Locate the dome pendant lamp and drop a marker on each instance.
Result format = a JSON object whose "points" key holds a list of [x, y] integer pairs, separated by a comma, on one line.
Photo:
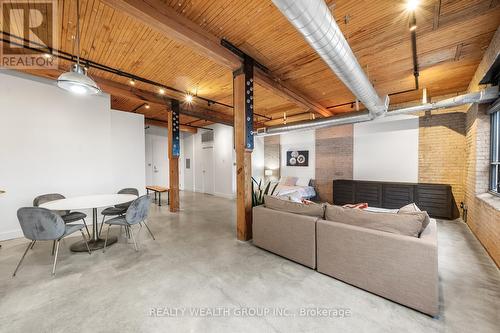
{"points": [[76, 80]]}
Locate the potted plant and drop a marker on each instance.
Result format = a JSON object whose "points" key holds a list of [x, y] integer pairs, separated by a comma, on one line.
{"points": [[258, 191]]}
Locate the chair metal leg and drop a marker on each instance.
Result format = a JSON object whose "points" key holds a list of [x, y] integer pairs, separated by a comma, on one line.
{"points": [[22, 258], [53, 247], [32, 245], [55, 258], [88, 232], [86, 242], [133, 238], [106, 240], [102, 223], [147, 227]]}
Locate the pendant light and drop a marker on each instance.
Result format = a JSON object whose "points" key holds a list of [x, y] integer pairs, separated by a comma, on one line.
{"points": [[76, 80]]}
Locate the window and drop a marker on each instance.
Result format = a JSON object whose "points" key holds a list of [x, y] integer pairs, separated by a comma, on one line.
{"points": [[495, 153]]}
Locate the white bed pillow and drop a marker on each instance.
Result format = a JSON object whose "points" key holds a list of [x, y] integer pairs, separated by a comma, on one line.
{"points": [[290, 181], [303, 181]]}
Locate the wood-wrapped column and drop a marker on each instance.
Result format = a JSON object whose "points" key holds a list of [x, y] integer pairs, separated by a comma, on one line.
{"points": [[243, 139], [174, 151]]}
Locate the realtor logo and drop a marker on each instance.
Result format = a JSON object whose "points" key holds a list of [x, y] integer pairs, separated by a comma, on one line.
{"points": [[29, 34]]}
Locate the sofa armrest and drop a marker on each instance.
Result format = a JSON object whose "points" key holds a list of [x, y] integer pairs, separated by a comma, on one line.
{"points": [[401, 268], [292, 236]]}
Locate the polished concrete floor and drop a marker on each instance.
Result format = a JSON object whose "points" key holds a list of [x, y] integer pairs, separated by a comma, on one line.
{"points": [[224, 285]]}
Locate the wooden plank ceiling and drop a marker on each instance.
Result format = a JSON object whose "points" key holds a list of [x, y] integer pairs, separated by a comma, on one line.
{"points": [[451, 39]]}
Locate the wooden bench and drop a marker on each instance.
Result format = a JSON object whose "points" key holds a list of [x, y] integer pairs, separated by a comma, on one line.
{"points": [[159, 190]]}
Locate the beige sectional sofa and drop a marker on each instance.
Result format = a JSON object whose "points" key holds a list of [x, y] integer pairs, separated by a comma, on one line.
{"points": [[290, 235], [398, 267]]}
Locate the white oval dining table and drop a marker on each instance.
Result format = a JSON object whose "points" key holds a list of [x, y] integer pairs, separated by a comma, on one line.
{"points": [[90, 202]]}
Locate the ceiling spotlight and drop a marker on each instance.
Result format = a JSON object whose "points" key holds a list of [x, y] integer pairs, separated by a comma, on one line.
{"points": [[132, 82], [189, 98], [147, 106], [47, 55], [412, 5], [161, 91]]}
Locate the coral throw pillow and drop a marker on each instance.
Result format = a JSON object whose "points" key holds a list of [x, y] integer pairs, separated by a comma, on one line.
{"points": [[359, 205]]}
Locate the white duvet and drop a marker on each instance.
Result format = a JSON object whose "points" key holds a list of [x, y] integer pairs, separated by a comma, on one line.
{"points": [[306, 192]]}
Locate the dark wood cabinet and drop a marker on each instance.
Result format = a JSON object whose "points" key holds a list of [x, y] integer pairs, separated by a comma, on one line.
{"points": [[436, 199]]}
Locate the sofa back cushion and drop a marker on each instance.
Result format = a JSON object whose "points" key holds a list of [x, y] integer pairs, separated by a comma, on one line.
{"points": [[313, 209], [413, 209], [402, 224]]}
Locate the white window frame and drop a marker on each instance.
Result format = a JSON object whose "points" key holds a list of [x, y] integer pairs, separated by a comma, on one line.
{"points": [[495, 153]]}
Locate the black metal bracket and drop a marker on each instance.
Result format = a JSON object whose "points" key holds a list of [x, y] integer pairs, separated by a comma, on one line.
{"points": [[176, 132], [248, 66], [233, 48]]}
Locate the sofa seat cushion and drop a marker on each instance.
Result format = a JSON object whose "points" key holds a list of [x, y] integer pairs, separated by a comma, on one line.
{"points": [[316, 210], [402, 224]]}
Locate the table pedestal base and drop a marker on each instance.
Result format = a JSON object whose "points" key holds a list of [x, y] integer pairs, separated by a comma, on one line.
{"points": [[93, 244]]}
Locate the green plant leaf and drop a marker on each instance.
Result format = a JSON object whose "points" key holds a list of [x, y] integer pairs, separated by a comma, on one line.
{"points": [[274, 188]]}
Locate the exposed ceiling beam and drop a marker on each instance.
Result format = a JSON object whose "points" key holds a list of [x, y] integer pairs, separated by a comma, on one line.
{"points": [[267, 81], [160, 17], [159, 123], [118, 89]]}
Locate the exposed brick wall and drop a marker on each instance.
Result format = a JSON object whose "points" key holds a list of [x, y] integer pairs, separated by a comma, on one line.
{"points": [[334, 153], [482, 217], [441, 150]]}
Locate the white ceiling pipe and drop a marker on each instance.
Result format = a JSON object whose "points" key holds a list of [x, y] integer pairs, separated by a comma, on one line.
{"points": [[313, 19], [315, 124], [484, 96]]}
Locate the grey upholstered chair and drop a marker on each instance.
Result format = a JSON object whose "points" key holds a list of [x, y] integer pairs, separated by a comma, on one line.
{"points": [[137, 213], [67, 216], [40, 224], [120, 209]]}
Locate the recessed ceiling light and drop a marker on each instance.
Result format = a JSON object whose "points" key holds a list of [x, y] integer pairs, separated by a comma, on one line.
{"points": [[161, 91], [147, 106], [189, 98], [132, 82]]}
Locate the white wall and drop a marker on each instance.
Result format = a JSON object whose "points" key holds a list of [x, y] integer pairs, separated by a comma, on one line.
{"points": [[387, 149], [304, 140], [127, 147], [258, 159], [187, 151], [197, 162], [224, 157], [224, 175], [156, 147], [53, 141]]}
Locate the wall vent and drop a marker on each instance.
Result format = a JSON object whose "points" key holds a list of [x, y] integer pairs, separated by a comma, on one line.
{"points": [[207, 136]]}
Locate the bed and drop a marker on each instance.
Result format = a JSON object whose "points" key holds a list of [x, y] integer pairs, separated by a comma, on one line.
{"points": [[300, 188], [306, 192]]}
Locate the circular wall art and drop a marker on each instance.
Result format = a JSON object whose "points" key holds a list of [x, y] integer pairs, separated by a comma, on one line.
{"points": [[297, 158]]}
